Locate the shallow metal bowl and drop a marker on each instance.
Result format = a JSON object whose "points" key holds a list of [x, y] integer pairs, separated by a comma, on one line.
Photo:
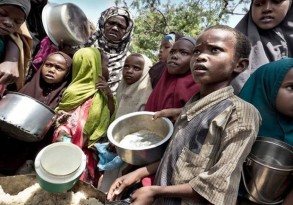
{"points": [[65, 23], [135, 122], [24, 118]]}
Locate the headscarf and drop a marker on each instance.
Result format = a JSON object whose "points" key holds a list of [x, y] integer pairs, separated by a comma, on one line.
{"points": [[157, 70], [267, 45], [85, 71], [25, 5], [49, 94], [116, 51], [261, 90], [133, 97]]}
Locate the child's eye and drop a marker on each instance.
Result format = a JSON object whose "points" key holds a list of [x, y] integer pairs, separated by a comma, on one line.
{"points": [[196, 52], [184, 53], [289, 87], [48, 65], [137, 68], [216, 50]]}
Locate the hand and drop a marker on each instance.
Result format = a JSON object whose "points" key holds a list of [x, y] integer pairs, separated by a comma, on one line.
{"points": [[143, 196], [171, 113], [62, 117], [121, 183], [103, 85], [61, 134], [8, 72]]}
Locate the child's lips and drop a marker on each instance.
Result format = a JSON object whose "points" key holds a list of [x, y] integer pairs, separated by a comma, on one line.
{"points": [[48, 76], [266, 19]]}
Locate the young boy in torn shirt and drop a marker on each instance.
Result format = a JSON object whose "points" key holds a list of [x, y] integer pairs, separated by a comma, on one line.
{"points": [[213, 134]]}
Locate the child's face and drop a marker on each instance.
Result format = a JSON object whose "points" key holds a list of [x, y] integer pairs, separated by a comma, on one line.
{"points": [[54, 69], [179, 58], [11, 18], [284, 101], [133, 69], [213, 61], [267, 14], [165, 48]]}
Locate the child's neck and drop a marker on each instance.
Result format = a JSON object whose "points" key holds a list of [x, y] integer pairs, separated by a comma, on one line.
{"points": [[206, 89]]}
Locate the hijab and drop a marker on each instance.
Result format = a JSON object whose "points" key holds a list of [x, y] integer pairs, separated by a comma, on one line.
{"points": [[267, 45], [133, 97], [116, 51], [49, 94], [261, 90], [25, 5], [87, 68]]}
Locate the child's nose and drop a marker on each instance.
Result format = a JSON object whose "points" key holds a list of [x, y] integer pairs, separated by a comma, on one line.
{"points": [[267, 7]]}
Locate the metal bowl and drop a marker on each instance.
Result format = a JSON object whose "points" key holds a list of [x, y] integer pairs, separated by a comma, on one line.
{"points": [[134, 122], [65, 23], [24, 118]]}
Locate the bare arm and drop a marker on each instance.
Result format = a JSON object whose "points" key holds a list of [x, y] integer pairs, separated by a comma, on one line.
{"points": [[9, 67]]}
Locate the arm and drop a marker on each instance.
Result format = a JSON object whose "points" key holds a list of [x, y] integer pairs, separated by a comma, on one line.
{"points": [[9, 67], [147, 195], [171, 113], [103, 85], [129, 179]]}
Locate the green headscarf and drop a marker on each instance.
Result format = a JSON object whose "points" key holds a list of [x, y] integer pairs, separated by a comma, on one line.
{"points": [[261, 90], [86, 69]]}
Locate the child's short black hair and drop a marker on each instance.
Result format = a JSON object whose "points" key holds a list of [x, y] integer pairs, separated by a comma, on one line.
{"points": [[242, 44]]}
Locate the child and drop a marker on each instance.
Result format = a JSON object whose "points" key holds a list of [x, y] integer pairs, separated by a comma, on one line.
{"points": [[213, 134], [135, 86], [51, 80], [157, 70], [15, 43], [46, 87], [85, 108], [270, 89], [268, 26], [176, 85]]}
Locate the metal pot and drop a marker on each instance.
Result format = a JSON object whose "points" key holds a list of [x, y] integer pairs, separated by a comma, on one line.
{"points": [[65, 23], [24, 118], [267, 173], [134, 122]]}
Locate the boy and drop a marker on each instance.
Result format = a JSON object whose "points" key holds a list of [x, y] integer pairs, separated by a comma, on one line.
{"points": [[213, 134]]}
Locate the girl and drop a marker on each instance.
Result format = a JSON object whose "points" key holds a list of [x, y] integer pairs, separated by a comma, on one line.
{"points": [[176, 85], [135, 87], [16, 157], [268, 27], [15, 44], [270, 90], [157, 70], [87, 110], [51, 80]]}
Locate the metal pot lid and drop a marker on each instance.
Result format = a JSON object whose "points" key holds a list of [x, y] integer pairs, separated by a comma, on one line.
{"points": [[73, 21]]}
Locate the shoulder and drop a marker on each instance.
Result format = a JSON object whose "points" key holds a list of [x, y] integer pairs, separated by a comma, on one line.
{"points": [[245, 112]]}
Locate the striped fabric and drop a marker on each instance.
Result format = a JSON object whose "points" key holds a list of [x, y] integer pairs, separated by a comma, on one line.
{"points": [[213, 137]]}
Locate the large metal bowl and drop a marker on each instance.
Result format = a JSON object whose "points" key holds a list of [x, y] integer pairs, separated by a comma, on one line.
{"points": [[65, 23], [24, 118], [135, 122]]}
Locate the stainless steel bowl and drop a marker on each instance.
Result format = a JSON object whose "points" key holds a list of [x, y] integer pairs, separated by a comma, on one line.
{"points": [[24, 118], [135, 122], [65, 23]]}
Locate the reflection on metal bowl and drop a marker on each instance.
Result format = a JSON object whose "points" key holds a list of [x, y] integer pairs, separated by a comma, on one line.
{"points": [[65, 23], [24, 118], [135, 122]]}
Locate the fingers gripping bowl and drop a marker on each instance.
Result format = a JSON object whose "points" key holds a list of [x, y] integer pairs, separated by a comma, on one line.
{"points": [[140, 124]]}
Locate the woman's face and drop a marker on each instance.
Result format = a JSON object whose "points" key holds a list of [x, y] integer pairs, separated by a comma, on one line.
{"points": [[11, 18], [54, 69], [267, 14], [115, 28], [284, 101]]}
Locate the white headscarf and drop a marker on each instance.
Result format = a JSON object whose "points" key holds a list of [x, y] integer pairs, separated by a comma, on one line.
{"points": [[132, 98]]}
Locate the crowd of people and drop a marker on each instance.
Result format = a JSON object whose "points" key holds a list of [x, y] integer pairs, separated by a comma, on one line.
{"points": [[221, 89]]}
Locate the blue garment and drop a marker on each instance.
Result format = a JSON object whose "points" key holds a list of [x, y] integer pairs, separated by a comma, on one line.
{"points": [[107, 160]]}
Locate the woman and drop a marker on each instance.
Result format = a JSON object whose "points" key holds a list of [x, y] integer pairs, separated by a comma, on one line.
{"points": [[113, 36], [268, 26], [86, 110]]}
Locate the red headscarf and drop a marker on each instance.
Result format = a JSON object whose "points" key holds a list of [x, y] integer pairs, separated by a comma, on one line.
{"points": [[172, 91]]}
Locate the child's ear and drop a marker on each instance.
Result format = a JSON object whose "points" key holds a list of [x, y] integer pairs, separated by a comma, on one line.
{"points": [[241, 65]]}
